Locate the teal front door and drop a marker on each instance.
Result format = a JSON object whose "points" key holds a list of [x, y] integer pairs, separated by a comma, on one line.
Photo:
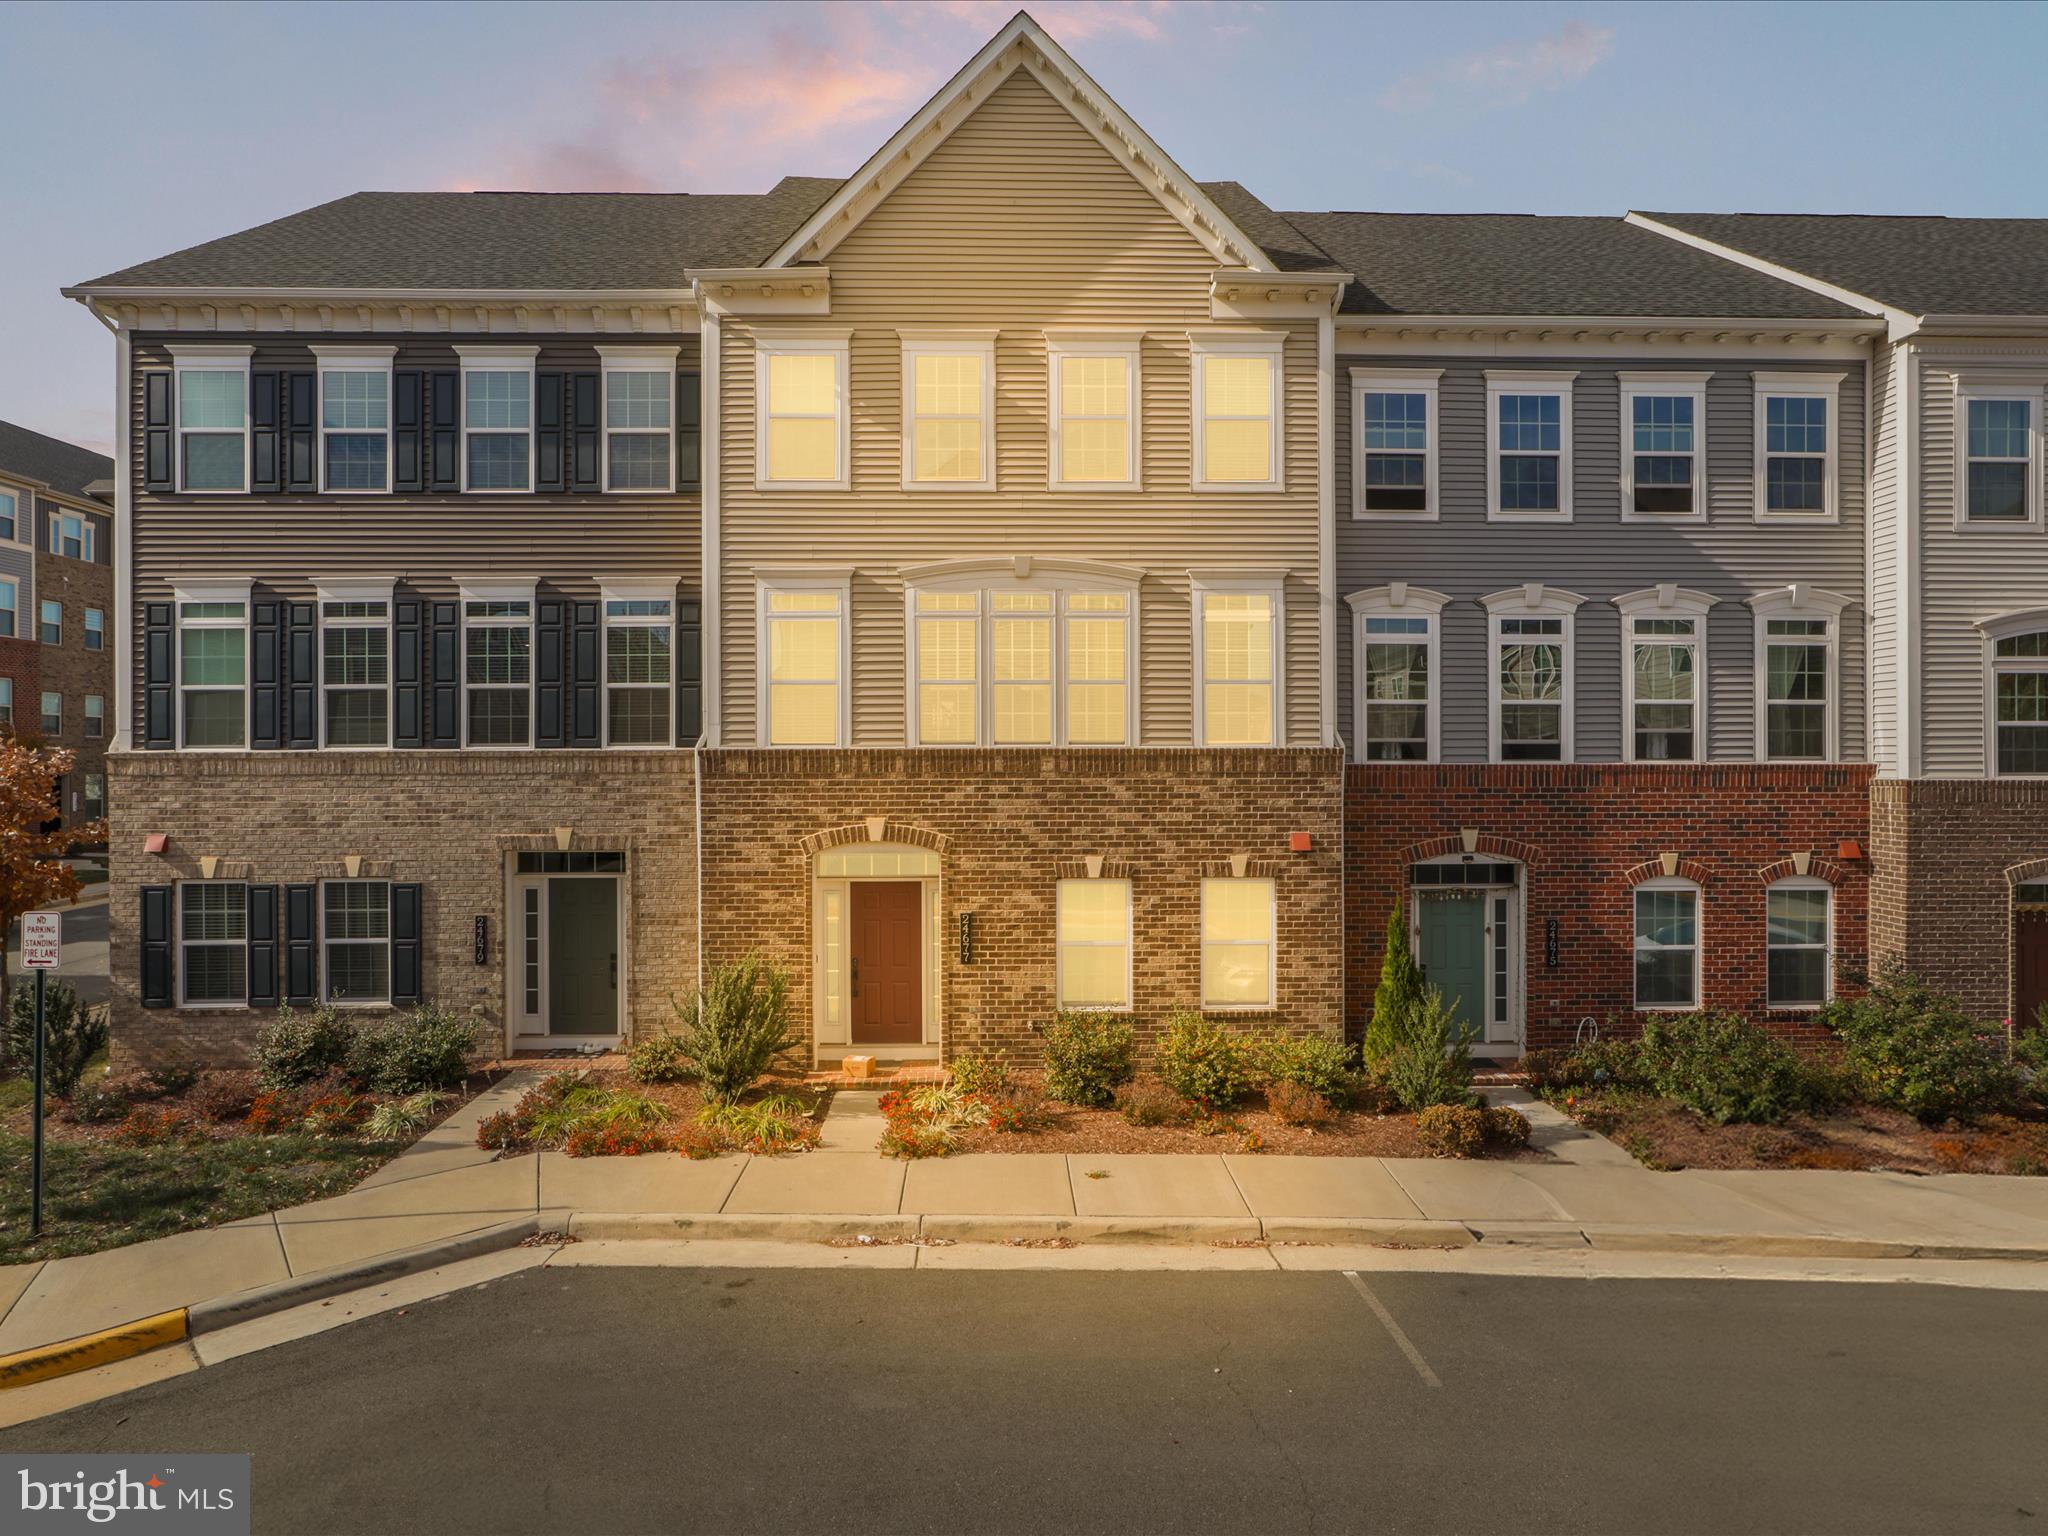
{"points": [[1452, 952], [583, 956]]}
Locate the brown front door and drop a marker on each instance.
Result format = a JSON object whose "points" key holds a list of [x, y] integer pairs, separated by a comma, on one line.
{"points": [[2029, 965], [888, 962]]}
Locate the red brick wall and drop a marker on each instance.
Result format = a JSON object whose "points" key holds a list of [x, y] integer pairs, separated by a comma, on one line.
{"points": [[22, 660], [1587, 835]]}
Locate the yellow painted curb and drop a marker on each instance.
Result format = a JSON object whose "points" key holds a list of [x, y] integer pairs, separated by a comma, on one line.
{"points": [[66, 1356]]}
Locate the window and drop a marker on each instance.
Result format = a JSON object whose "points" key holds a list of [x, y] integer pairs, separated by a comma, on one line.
{"points": [[497, 418], [1663, 702], [948, 624], [1529, 424], [213, 943], [948, 410], [639, 668], [213, 418], [53, 714], [6, 703], [1797, 944], [1095, 412], [51, 631], [800, 405], [802, 696], [95, 628], [1237, 943], [355, 418], [1237, 667], [1796, 674], [355, 940], [10, 514], [1237, 410], [1663, 465], [1094, 944], [10, 599], [1795, 446], [1531, 717], [1667, 944], [1395, 664], [355, 668], [639, 418], [2019, 703], [213, 656], [95, 796], [72, 536], [95, 716], [497, 669], [1393, 450], [1999, 469]]}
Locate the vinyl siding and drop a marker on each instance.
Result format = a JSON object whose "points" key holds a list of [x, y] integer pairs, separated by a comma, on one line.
{"points": [[18, 560], [1884, 559], [1600, 557]]}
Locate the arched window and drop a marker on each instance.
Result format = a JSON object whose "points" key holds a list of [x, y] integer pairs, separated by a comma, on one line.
{"points": [[1397, 679], [1667, 945], [2019, 703]]}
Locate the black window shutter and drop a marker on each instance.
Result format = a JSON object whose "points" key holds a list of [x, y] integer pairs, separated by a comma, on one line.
{"points": [[408, 419], [550, 463], [302, 721], [262, 946], [266, 675], [301, 472], [156, 946], [301, 974], [159, 723], [405, 944], [547, 673], [445, 641], [689, 647], [583, 432], [156, 431], [266, 464], [409, 700], [689, 431], [587, 692], [444, 429]]}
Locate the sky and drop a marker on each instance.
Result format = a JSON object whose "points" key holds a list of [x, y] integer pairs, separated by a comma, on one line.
{"points": [[137, 130]]}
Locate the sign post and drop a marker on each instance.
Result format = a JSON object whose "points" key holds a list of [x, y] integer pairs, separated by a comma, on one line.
{"points": [[42, 942]]}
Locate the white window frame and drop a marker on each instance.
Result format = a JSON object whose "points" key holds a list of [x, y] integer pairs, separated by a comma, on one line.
{"points": [[13, 609], [7, 703], [1396, 600], [1533, 601], [326, 943], [1426, 382], [832, 344], [356, 359], [209, 592], [1271, 944], [1501, 382], [767, 584], [1799, 601], [637, 359], [88, 535], [1675, 386], [500, 359], [188, 358], [636, 592], [978, 344], [2004, 627], [1800, 883], [1064, 344], [1778, 386], [43, 716], [359, 592], [1699, 944], [14, 499], [43, 606], [183, 944], [1273, 585], [1203, 345], [95, 717], [1989, 387], [1665, 601], [88, 628], [1062, 945], [96, 795], [499, 592]]}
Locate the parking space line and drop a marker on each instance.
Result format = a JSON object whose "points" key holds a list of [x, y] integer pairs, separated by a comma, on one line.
{"points": [[1393, 1328]]}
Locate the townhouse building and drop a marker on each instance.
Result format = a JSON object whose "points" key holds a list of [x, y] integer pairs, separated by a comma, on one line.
{"points": [[1015, 577]]}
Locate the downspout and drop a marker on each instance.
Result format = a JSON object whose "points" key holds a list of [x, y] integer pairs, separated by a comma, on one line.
{"points": [[1906, 496], [124, 545], [708, 578], [1326, 519]]}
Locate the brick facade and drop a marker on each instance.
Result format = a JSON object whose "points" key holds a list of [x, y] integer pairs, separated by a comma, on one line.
{"points": [[21, 662], [1586, 836], [70, 669]]}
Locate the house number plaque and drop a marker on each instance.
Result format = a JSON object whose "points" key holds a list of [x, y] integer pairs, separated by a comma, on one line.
{"points": [[482, 932], [1550, 943], [967, 938]]}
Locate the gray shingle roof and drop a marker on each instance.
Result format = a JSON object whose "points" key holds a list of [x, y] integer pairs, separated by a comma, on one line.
{"points": [[424, 241], [60, 465], [1530, 264], [1926, 264], [1291, 250]]}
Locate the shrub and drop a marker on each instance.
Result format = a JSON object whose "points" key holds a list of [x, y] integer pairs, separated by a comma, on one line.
{"points": [[1087, 1057], [1724, 1067], [1399, 994], [1299, 1105], [336, 1114], [150, 1125], [982, 1072], [1148, 1104], [699, 1142], [223, 1096], [403, 1118], [1018, 1107], [780, 1122], [549, 1115], [1211, 1067], [1913, 1048], [276, 1110], [1430, 1063], [168, 1082], [72, 1035], [614, 1141], [735, 1027], [296, 1048], [1505, 1127], [658, 1059], [929, 1122], [1315, 1062], [98, 1100], [1553, 1071], [499, 1132], [1451, 1130], [425, 1049]]}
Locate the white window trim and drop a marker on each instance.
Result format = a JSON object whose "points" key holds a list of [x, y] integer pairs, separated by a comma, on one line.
{"points": [[49, 602], [88, 535], [187, 358], [1130, 947], [21, 497], [208, 592], [1800, 883], [326, 592], [7, 702], [1521, 381], [1823, 386], [1272, 943], [1971, 387], [327, 971], [2004, 626], [181, 944], [87, 716], [1273, 585], [769, 582], [639, 359], [1533, 601], [1203, 345], [1129, 347], [13, 586], [1798, 601], [496, 359], [1665, 601], [1699, 945], [635, 592], [979, 344], [1685, 386], [43, 714], [1396, 381], [87, 630], [328, 360], [498, 592], [1396, 600], [832, 344]]}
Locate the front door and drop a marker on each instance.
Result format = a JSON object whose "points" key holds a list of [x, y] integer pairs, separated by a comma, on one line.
{"points": [[1451, 926], [2030, 967], [583, 956], [886, 977]]}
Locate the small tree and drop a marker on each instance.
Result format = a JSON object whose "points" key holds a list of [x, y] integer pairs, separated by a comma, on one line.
{"points": [[734, 1028], [1399, 993], [30, 876]]}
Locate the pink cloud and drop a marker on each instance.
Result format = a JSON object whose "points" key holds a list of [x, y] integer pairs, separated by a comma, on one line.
{"points": [[1069, 21]]}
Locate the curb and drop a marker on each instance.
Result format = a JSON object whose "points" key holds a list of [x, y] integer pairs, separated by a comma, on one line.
{"points": [[755, 1228], [44, 1362], [1101, 1229], [1371, 1231]]}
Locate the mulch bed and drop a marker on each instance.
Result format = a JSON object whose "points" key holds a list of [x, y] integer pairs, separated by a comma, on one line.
{"points": [[684, 1100]]}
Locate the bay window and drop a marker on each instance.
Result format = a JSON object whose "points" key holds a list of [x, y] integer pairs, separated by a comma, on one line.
{"points": [[1237, 671], [639, 667], [1095, 413], [1796, 433], [800, 413], [1237, 399], [1093, 960], [355, 418], [497, 418], [1529, 433], [497, 667], [802, 700], [949, 397], [639, 417], [212, 417]]}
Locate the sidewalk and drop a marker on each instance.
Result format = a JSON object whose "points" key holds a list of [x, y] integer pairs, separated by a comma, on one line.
{"points": [[444, 1195]]}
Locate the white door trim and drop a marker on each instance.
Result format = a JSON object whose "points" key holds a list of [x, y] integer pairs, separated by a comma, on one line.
{"points": [[526, 1031], [831, 1041]]}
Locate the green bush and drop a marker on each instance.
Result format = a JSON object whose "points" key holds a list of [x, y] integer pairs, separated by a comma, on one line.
{"points": [[1087, 1057], [1505, 1127], [1315, 1062], [1723, 1066], [1910, 1047], [1399, 994], [981, 1072], [735, 1027], [100, 1100], [1297, 1104], [72, 1035], [658, 1059], [1208, 1066], [426, 1049], [1451, 1130], [1430, 1062], [1147, 1104], [295, 1048]]}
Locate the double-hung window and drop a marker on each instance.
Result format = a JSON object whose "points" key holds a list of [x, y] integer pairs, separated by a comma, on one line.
{"points": [[213, 417], [95, 716], [213, 667], [50, 630], [6, 703], [1664, 642], [10, 515], [1097, 654], [1531, 715], [71, 535], [355, 418], [497, 418], [2019, 701], [95, 796], [1999, 463], [1667, 945], [1395, 666], [1529, 430], [497, 667], [1237, 396], [355, 667], [355, 941], [95, 628], [53, 713], [1798, 943], [1237, 663], [10, 602], [949, 398], [1093, 962], [1239, 933], [800, 412], [639, 418], [1095, 412], [1796, 434], [1663, 462], [213, 943], [948, 653], [1393, 450], [1796, 674], [639, 667], [804, 662]]}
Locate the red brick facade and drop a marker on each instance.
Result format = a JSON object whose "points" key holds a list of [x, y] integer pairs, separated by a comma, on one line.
{"points": [[21, 661]]}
